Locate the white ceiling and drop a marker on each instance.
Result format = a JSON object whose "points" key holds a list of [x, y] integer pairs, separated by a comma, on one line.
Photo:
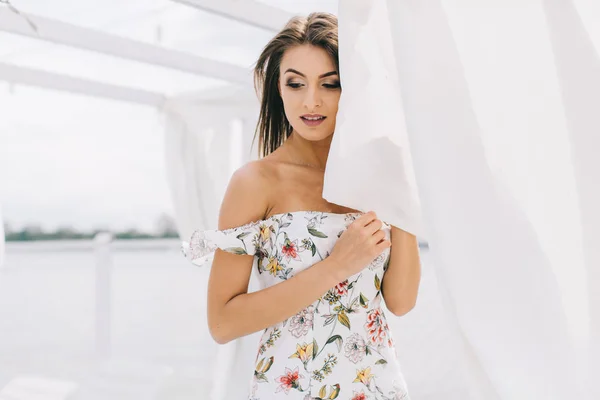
{"points": [[115, 145], [160, 22]]}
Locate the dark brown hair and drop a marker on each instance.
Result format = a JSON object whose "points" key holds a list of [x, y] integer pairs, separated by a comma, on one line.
{"points": [[318, 29]]}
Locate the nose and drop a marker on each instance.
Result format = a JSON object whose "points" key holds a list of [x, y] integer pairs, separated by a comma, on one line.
{"points": [[313, 99]]}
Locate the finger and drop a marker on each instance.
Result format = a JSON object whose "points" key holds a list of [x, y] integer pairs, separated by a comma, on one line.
{"points": [[383, 245], [374, 226], [366, 218], [378, 236]]}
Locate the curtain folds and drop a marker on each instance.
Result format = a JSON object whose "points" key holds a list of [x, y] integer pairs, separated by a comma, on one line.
{"points": [[483, 117]]}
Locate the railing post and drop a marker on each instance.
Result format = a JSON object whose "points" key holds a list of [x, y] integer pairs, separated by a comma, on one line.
{"points": [[103, 258]]}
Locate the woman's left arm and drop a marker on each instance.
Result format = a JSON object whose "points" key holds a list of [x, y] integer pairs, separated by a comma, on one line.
{"points": [[400, 283]]}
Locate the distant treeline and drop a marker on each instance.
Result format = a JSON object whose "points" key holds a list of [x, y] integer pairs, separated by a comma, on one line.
{"points": [[164, 228], [29, 235]]}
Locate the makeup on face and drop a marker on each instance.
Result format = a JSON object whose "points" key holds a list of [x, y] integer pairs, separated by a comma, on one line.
{"points": [[310, 91], [333, 84], [312, 119]]}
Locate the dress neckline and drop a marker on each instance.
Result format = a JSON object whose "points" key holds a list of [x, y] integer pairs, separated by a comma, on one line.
{"points": [[271, 218], [313, 212]]}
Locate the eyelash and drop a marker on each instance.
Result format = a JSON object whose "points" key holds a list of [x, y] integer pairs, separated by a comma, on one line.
{"points": [[327, 85]]}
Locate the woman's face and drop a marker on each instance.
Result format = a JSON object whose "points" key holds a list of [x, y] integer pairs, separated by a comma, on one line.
{"points": [[310, 89]]}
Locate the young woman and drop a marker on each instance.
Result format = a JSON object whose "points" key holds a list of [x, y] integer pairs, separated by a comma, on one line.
{"points": [[324, 269]]}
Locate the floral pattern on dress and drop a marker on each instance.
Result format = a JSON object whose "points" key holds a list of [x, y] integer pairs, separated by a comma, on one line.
{"points": [[338, 347], [302, 322]]}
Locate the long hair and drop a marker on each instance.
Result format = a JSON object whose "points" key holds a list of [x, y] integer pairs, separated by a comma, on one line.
{"points": [[318, 29]]}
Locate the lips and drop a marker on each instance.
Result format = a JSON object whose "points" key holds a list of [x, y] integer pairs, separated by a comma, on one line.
{"points": [[312, 119]]}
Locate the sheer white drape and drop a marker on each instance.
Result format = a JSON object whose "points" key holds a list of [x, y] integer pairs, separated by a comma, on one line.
{"points": [[578, 67], [380, 143], [2, 238], [205, 143], [492, 104], [190, 177]]}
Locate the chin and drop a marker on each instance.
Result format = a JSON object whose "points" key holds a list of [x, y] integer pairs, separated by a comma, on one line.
{"points": [[315, 135]]}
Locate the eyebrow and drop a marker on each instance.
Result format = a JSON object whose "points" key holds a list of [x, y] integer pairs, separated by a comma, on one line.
{"points": [[320, 76]]}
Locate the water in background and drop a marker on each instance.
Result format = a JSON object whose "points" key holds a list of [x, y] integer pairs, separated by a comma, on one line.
{"points": [[160, 347], [159, 341]]}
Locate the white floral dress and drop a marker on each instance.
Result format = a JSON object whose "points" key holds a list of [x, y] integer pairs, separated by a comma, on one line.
{"points": [[338, 347]]}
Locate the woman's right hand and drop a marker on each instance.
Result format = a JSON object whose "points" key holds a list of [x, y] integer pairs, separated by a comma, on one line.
{"points": [[360, 244]]}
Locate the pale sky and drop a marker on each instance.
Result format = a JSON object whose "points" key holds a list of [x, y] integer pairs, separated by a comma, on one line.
{"points": [[87, 162], [72, 160]]}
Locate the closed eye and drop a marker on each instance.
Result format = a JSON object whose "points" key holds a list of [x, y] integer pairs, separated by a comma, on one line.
{"points": [[325, 85]]}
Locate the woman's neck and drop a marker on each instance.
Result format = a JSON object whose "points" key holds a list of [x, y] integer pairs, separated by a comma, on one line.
{"points": [[309, 152]]}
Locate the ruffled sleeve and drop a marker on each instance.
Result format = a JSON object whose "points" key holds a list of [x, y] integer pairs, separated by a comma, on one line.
{"points": [[242, 240]]}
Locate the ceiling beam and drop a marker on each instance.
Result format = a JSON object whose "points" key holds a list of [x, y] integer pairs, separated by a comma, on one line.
{"points": [[247, 11], [90, 39], [228, 93], [50, 80]]}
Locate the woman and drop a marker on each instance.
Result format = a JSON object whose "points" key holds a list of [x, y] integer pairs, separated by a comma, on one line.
{"points": [[323, 268]]}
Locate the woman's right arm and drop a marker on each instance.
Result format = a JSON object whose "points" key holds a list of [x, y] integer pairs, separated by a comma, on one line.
{"points": [[236, 313], [232, 311]]}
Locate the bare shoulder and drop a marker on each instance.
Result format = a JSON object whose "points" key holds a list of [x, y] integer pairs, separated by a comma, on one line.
{"points": [[248, 194]]}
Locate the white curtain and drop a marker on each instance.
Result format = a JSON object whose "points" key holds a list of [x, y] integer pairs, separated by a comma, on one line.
{"points": [[206, 140], [492, 105], [369, 89], [203, 148], [578, 66], [190, 178], [1, 238]]}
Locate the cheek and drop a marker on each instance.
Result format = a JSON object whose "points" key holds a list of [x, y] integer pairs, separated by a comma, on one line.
{"points": [[291, 101], [333, 100]]}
